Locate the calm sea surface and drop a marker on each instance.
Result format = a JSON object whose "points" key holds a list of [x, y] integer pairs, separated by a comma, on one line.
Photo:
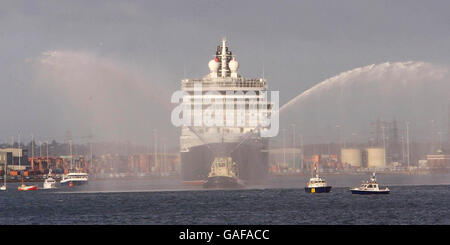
{"points": [[413, 200]]}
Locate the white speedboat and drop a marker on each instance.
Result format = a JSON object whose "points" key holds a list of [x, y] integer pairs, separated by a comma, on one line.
{"points": [[74, 179], [49, 182], [369, 187]]}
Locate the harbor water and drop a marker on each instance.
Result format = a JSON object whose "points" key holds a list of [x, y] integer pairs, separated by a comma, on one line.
{"points": [[413, 200]]}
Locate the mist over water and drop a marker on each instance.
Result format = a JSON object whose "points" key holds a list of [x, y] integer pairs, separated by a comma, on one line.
{"points": [[100, 95], [406, 91]]}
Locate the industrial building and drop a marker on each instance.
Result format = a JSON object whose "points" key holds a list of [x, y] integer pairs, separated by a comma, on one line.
{"points": [[157, 164], [439, 160], [352, 156], [5, 157], [285, 159], [16, 158], [372, 157], [375, 157]]}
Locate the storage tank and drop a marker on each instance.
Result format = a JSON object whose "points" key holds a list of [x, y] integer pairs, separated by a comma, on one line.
{"points": [[351, 156], [375, 158]]}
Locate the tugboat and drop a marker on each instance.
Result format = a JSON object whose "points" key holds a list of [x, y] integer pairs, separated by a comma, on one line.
{"points": [[369, 187], [317, 184], [222, 174]]}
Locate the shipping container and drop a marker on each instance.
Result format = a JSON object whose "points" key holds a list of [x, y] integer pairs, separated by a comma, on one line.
{"points": [[58, 171]]}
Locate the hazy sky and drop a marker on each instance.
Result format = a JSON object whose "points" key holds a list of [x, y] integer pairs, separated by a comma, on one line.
{"points": [[152, 44]]}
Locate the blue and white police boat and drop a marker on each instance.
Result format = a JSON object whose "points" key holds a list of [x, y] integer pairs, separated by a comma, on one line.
{"points": [[369, 187], [317, 184]]}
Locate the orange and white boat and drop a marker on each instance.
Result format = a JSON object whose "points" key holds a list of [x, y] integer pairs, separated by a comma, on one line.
{"points": [[24, 187]]}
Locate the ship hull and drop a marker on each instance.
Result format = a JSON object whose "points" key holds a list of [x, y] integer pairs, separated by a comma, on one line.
{"points": [[221, 182], [27, 188], [194, 182], [251, 160], [74, 182], [362, 192], [324, 189]]}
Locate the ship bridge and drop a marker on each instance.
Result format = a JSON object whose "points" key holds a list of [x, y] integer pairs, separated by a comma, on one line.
{"points": [[224, 75]]}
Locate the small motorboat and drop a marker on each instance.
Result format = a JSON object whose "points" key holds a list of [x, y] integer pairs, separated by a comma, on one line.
{"points": [[317, 184], [49, 182], [24, 187], [27, 187], [369, 187]]}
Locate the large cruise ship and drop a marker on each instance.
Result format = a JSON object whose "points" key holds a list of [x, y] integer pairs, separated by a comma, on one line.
{"points": [[200, 144]]}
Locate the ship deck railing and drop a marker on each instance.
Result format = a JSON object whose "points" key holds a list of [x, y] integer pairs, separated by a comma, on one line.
{"points": [[238, 83]]}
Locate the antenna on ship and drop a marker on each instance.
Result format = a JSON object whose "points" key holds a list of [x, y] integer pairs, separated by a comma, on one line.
{"points": [[263, 65], [224, 58], [263, 70]]}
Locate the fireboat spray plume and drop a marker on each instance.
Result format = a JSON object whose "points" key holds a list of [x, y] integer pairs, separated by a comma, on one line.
{"points": [[116, 99], [412, 91]]}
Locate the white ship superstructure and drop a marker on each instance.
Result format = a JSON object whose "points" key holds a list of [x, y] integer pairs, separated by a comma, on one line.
{"points": [[74, 179], [232, 131]]}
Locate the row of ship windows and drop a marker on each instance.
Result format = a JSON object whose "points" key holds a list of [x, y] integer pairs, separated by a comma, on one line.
{"points": [[228, 93], [235, 107], [233, 83], [224, 130]]}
